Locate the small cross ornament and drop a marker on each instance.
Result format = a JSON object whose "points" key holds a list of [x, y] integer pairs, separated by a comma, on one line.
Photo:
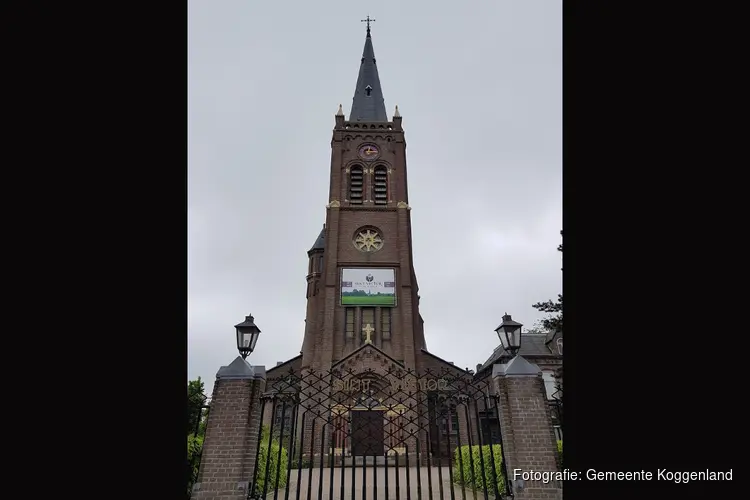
{"points": [[368, 21]]}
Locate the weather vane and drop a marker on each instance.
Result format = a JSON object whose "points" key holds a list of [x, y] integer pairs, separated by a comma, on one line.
{"points": [[368, 21]]}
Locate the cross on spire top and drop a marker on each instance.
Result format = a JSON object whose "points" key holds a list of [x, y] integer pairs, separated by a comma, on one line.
{"points": [[368, 21]]}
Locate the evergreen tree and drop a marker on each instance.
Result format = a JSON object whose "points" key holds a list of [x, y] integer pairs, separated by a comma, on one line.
{"points": [[555, 320]]}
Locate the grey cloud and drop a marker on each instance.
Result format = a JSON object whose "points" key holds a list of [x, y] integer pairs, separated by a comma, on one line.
{"points": [[479, 85]]}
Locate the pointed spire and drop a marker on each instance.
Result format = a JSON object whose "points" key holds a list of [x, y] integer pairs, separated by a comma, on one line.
{"points": [[320, 242], [396, 114], [368, 104], [340, 112]]}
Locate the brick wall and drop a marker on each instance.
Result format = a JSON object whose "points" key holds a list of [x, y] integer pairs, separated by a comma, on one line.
{"points": [[229, 448], [528, 438]]}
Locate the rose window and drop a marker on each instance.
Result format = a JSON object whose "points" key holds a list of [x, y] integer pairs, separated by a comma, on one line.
{"points": [[368, 240]]}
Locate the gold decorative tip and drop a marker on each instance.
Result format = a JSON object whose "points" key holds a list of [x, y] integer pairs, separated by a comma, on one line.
{"points": [[340, 111], [396, 114]]}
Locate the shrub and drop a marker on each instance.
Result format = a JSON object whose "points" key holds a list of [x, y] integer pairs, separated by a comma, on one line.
{"points": [[276, 468], [194, 446], [559, 450], [475, 477], [300, 464]]}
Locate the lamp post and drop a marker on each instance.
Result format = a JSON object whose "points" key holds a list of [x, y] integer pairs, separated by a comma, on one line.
{"points": [[509, 332], [247, 336]]}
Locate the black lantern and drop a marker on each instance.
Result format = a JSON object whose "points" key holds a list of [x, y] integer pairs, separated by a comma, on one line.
{"points": [[247, 336], [509, 332]]}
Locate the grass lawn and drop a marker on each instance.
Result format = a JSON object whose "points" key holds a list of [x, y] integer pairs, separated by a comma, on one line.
{"points": [[373, 300]]}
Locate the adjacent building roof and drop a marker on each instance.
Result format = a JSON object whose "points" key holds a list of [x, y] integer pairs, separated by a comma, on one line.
{"points": [[532, 345], [284, 364], [449, 364]]}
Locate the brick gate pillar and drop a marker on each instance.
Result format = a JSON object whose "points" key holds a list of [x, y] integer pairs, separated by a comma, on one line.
{"points": [[529, 443], [228, 456]]}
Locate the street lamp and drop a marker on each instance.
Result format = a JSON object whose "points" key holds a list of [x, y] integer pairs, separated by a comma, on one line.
{"points": [[247, 336], [509, 332]]}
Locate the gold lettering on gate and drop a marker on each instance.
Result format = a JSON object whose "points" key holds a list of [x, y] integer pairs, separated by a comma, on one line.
{"points": [[351, 385], [409, 384]]}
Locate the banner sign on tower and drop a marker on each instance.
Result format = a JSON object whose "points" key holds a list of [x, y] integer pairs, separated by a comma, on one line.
{"points": [[368, 287]]}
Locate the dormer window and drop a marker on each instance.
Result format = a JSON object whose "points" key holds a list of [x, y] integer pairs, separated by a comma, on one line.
{"points": [[356, 184], [368, 91]]}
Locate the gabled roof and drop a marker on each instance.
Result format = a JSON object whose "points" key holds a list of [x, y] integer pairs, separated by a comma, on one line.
{"points": [[368, 104], [449, 364], [284, 364], [362, 347]]}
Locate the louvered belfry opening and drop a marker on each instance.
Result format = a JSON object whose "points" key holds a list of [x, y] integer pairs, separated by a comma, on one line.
{"points": [[356, 185], [380, 185]]}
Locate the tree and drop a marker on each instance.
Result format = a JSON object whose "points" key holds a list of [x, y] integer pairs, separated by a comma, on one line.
{"points": [[537, 327], [555, 320], [196, 421], [196, 399]]}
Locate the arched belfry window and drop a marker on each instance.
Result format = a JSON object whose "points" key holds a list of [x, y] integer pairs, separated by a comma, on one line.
{"points": [[356, 184], [380, 185]]}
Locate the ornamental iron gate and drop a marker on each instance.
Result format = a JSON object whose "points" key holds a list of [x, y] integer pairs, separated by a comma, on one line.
{"points": [[379, 433]]}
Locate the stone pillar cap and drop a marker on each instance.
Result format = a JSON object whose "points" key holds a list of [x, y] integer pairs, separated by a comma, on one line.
{"points": [[239, 369], [517, 367]]}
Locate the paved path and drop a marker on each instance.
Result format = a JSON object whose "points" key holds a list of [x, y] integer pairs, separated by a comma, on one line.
{"points": [[422, 476]]}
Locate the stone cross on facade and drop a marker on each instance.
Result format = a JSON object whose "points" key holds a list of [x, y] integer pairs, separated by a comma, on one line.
{"points": [[368, 329]]}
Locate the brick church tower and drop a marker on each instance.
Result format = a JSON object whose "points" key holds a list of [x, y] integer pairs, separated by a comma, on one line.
{"points": [[364, 340], [361, 282], [361, 285]]}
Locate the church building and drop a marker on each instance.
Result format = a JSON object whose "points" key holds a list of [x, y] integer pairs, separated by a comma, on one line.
{"points": [[362, 291], [364, 339]]}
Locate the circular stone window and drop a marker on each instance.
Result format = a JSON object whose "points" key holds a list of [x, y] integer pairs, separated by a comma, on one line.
{"points": [[368, 239]]}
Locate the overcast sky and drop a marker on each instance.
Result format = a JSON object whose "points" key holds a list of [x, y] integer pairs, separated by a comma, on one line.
{"points": [[479, 86]]}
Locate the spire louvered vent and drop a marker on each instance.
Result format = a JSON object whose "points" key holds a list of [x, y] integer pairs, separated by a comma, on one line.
{"points": [[380, 186], [356, 185]]}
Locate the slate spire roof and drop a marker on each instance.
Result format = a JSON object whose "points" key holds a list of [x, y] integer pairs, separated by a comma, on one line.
{"points": [[320, 243], [368, 104]]}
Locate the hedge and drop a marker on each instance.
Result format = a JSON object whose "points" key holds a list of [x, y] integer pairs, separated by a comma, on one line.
{"points": [[466, 456], [276, 468]]}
